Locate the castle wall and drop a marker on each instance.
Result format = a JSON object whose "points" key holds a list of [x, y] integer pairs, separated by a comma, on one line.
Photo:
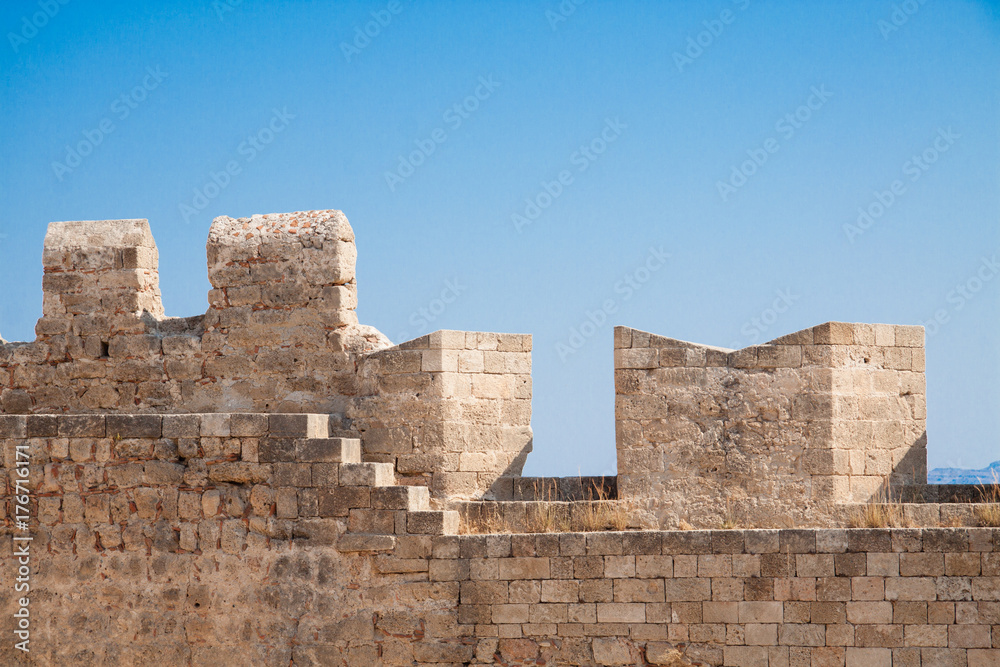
{"points": [[281, 334], [776, 434], [273, 483], [227, 539], [450, 410]]}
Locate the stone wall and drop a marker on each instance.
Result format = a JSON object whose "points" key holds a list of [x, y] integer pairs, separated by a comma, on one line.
{"points": [[451, 410], [280, 335], [777, 434], [232, 539], [272, 483]]}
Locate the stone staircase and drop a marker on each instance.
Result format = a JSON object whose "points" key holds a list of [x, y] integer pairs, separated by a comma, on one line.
{"points": [[377, 508]]}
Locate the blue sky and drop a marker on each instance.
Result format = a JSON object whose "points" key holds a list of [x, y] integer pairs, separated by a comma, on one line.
{"points": [[534, 161]]}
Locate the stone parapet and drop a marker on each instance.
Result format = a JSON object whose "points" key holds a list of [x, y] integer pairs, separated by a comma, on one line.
{"points": [[772, 433]]}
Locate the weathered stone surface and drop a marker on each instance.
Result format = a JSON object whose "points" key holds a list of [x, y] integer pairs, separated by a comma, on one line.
{"points": [[272, 483]]}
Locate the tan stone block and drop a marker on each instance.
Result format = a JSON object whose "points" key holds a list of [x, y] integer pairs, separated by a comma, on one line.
{"points": [[801, 634], [962, 565], [523, 592], [612, 652], [720, 612], [969, 636], [745, 656], [909, 612], [582, 613], [687, 590], [760, 612], [833, 333], [883, 565], [619, 566], [715, 565], [511, 613], [757, 634], [984, 658], [636, 358], [560, 591], [621, 612], [685, 566], [656, 566], [868, 588], [921, 564], [869, 612], [878, 635], [524, 568], [925, 635], [910, 588], [779, 356], [638, 590], [909, 335], [885, 335], [814, 565], [868, 657]]}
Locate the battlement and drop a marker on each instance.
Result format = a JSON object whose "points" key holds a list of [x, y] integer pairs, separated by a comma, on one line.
{"points": [[272, 482]]}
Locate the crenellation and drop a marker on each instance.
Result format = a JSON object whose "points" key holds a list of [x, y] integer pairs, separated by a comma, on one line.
{"points": [[275, 481]]}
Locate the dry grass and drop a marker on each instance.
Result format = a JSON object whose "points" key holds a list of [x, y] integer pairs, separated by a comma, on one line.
{"points": [[731, 518], [988, 510], [486, 521], [602, 513], [548, 515], [881, 511]]}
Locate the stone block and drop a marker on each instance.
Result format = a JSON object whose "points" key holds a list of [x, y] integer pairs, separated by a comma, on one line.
{"points": [[134, 426], [432, 522], [248, 425], [299, 426], [82, 426], [366, 474]]}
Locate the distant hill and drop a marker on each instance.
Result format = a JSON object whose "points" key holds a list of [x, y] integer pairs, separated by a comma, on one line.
{"points": [[987, 475]]}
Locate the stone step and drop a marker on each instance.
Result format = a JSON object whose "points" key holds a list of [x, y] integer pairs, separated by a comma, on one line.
{"points": [[432, 522], [365, 542], [410, 498], [537, 516], [309, 450], [367, 474]]}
